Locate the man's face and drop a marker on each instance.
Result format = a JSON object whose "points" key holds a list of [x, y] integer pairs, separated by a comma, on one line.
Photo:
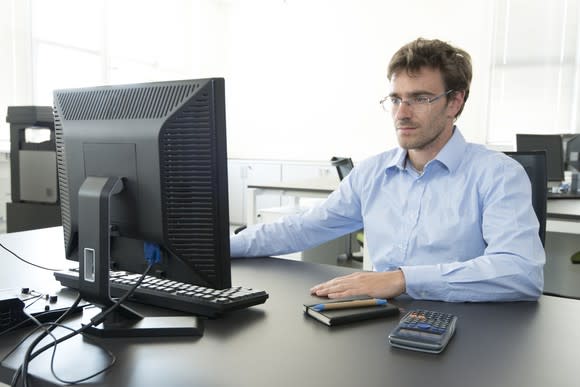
{"points": [[426, 127]]}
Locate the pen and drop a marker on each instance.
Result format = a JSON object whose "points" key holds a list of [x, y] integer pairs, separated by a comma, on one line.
{"points": [[349, 304]]}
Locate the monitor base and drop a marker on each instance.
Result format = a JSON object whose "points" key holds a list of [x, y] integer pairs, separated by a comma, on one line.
{"points": [[158, 326]]}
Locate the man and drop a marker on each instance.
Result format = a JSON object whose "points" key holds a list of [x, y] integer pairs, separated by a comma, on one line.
{"points": [[444, 219]]}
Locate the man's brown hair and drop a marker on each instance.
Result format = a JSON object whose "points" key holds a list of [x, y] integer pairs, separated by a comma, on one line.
{"points": [[454, 63]]}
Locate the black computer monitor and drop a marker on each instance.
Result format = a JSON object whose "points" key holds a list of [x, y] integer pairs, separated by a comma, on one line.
{"points": [[573, 152], [552, 144], [144, 163]]}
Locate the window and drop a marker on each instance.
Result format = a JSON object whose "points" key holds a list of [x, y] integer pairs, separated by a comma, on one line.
{"points": [[79, 44], [535, 69], [67, 46]]}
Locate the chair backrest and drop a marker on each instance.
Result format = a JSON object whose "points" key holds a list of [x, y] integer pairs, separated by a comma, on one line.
{"points": [[534, 162], [343, 166]]}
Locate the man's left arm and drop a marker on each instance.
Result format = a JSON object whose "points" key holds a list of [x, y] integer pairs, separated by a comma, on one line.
{"points": [[511, 267]]}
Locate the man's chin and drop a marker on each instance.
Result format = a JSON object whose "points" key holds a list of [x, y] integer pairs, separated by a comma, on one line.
{"points": [[406, 141]]}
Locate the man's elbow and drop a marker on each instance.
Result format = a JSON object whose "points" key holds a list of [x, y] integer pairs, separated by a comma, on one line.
{"points": [[534, 284]]}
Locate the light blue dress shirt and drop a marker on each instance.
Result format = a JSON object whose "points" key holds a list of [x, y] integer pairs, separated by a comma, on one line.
{"points": [[463, 230]]}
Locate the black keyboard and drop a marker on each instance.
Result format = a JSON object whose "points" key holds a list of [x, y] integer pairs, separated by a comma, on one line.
{"points": [[197, 300]]}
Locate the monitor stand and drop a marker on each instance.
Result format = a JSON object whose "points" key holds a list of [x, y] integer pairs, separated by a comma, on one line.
{"points": [[94, 262]]}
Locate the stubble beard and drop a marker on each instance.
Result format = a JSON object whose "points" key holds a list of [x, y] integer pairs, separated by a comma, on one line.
{"points": [[420, 142]]}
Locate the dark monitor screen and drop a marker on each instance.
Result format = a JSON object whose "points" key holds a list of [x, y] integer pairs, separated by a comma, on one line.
{"points": [[552, 144], [573, 152], [166, 143]]}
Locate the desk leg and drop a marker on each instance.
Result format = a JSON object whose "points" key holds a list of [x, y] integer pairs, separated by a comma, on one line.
{"points": [[251, 206]]}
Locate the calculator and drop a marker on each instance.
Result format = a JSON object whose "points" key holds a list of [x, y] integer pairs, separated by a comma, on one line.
{"points": [[424, 330]]}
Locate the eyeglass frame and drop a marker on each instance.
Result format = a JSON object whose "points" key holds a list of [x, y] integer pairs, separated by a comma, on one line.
{"points": [[425, 101]]}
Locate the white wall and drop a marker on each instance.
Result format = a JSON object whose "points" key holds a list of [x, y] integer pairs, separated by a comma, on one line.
{"points": [[15, 79], [303, 77]]}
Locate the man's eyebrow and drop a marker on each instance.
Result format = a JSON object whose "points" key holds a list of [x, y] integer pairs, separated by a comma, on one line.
{"points": [[413, 94]]}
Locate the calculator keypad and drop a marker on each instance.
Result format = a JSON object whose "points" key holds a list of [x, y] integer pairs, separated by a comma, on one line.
{"points": [[427, 321]]}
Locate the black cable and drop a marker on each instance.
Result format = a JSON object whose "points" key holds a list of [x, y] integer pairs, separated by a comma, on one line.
{"points": [[560, 295], [99, 318], [77, 381], [23, 322], [53, 325], [25, 261], [23, 369], [38, 339], [47, 331], [35, 298]]}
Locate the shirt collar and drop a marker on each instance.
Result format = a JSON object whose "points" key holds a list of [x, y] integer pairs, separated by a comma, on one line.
{"points": [[450, 155], [398, 160]]}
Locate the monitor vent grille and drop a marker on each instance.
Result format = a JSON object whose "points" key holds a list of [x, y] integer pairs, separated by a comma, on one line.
{"points": [[132, 102], [62, 179], [188, 163]]}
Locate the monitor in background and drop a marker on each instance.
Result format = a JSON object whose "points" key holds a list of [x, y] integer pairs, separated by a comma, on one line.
{"points": [[552, 144], [572, 146], [144, 163]]}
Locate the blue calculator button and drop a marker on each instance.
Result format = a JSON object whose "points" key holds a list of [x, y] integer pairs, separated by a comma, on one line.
{"points": [[424, 326]]}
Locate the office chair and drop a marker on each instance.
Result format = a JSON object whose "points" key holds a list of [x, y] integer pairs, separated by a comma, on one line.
{"points": [[343, 167], [534, 162]]}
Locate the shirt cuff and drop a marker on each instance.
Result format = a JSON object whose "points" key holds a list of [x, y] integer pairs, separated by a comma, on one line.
{"points": [[237, 246], [425, 282]]}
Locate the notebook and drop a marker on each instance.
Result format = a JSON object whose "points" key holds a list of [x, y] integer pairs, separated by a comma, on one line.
{"points": [[343, 316]]}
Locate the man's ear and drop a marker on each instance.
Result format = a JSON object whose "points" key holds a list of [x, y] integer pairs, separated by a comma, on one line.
{"points": [[456, 100]]}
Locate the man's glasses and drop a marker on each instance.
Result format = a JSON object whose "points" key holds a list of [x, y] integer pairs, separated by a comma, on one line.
{"points": [[419, 103]]}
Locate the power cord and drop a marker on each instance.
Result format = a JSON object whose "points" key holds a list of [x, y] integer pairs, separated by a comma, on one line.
{"points": [[30, 355], [47, 327], [28, 262], [40, 337]]}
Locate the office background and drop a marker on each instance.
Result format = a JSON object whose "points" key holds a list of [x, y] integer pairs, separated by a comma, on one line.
{"points": [[303, 77]]}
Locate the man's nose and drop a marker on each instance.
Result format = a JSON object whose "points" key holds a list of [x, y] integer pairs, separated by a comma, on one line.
{"points": [[403, 111]]}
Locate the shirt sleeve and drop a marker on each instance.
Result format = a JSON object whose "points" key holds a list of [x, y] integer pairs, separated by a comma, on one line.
{"points": [[511, 267], [336, 216]]}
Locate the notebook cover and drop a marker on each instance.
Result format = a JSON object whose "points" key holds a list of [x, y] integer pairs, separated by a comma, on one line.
{"points": [[344, 316]]}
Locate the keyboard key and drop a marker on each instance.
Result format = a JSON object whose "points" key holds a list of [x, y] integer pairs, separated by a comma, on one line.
{"points": [[184, 297]]}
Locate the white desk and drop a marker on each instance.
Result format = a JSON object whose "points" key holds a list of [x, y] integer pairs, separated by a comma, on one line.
{"points": [[310, 188], [563, 216]]}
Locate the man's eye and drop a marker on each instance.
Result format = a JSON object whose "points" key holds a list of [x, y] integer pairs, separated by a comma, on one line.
{"points": [[421, 100], [395, 101]]}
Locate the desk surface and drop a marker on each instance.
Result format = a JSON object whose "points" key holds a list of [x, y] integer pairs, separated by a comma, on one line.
{"points": [[503, 344], [563, 195], [325, 184]]}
